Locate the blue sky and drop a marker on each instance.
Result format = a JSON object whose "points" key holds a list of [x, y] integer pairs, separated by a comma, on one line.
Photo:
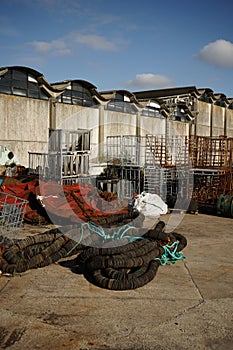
{"points": [[130, 44]]}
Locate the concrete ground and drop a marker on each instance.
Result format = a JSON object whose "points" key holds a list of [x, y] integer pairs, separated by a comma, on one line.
{"points": [[188, 305]]}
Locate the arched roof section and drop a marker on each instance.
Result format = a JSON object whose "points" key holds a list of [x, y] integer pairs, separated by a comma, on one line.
{"points": [[153, 108], [31, 71], [25, 81], [80, 92], [120, 95], [61, 84], [206, 95], [122, 101], [221, 100]]}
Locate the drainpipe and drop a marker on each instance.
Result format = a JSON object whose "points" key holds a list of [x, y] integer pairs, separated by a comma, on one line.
{"points": [[101, 132], [138, 126], [167, 135], [225, 121], [211, 120], [52, 113]]}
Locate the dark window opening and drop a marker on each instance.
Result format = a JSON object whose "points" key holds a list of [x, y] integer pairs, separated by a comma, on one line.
{"points": [[19, 83], [77, 95], [151, 112], [121, 106]]}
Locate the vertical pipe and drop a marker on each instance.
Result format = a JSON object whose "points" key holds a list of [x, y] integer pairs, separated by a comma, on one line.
{"points": [[138, 126], [101, 132], [52, 113], [225, 121], [211, 119]]}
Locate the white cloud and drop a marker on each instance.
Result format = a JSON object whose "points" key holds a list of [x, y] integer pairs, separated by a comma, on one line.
{"points": [[96, 42], [149, 80], [71, 43], [55, 47], [218, 53]]}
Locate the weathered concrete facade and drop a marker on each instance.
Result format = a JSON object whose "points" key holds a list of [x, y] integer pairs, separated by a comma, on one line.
{"points": [[24, 125], [27, 121], [213, 120]]}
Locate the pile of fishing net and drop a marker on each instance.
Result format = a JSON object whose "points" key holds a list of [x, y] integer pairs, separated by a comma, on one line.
{"points": [[126, 261]]}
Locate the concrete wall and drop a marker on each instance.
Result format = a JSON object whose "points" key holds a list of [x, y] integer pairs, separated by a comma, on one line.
{"points": [[229, 122], [176, 128], [213, 120], [203, 120], [153, 126], [24, 125], [73, 117], [115, 124], [218, 120]]}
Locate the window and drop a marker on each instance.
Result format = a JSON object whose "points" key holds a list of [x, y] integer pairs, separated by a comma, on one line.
{"points": [[121, 106], [220, 103], [180, 115], [78, 95], [205, 98], [151, 112], [15, 82]]}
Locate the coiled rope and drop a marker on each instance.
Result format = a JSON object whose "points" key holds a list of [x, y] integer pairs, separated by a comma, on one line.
{"points": [[132, 265], [129, 265]]}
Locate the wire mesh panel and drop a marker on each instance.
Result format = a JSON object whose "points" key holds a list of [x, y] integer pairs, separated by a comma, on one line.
{"points": [[55, 166], [155, 150], [74, 164], [38, 163], [12, 211], [155, 182], [46, 165], [130, 181], [69, 140], [83, 179], [125, 180], [114, 149], [126, 150], [209, 184], [211, 152], [168, 182], [131, 150], [167, 151]]}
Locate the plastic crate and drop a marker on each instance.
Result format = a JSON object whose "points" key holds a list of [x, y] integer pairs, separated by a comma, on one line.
{"points": [[12, 211]]}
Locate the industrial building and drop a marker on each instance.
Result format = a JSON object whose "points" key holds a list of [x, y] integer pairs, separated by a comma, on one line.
{"points": [[71, 129]]}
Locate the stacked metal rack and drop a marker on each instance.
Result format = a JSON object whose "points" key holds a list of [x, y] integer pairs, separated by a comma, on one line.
{"points": [[12, 211], [125, 162], [167, 167], [67, 159], [154, 164], [213, 173], [196, 167]]}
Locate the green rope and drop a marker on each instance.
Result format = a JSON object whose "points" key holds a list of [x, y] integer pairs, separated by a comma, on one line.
{"points": [[75, 246], [119, 234], [170, 256]]}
